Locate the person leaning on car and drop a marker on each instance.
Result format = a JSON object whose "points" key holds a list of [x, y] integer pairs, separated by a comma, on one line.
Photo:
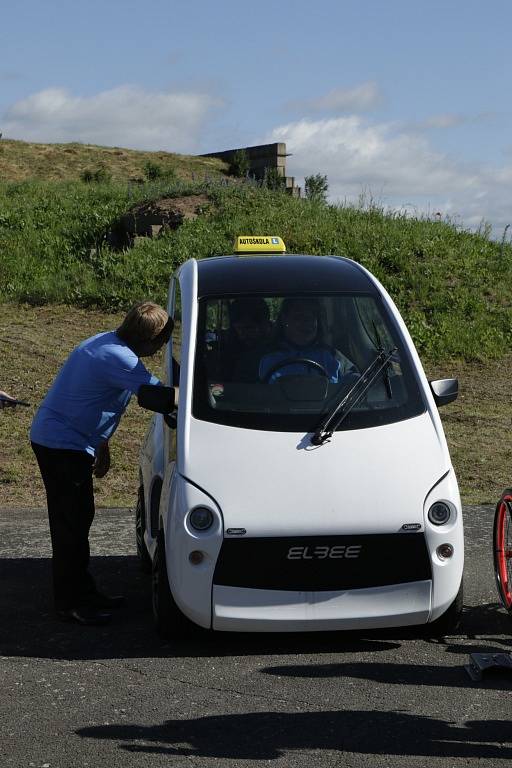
{"points": [[69, 436]]}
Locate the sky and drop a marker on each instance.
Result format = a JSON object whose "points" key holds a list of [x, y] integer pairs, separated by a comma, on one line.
{"points": [[402, 103]]}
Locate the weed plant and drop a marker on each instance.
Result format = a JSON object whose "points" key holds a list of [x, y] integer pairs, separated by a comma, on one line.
{"points": [[449, 284]]}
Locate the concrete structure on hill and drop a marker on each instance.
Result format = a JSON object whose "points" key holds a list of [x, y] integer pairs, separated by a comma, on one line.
{"points": [[262, 158]]}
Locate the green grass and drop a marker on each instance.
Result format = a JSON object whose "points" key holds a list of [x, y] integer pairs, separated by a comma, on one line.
{"points": [[448, 284]]}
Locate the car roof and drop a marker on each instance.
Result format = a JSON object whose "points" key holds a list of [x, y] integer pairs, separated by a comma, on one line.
{"points": [[281, 274]]}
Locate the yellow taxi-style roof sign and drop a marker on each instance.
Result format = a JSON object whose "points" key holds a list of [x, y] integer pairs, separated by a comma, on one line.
{"points": [[259, 244]]}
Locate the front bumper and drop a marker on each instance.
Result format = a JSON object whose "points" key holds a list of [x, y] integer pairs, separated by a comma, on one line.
{"points": [[238, 609]]}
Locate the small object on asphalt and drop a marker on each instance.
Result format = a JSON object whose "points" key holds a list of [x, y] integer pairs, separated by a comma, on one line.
{"points": [[482, 662]]}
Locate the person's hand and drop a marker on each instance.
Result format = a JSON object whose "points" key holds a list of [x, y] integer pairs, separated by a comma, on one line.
{"points": [[6, 401], [102, 462]]}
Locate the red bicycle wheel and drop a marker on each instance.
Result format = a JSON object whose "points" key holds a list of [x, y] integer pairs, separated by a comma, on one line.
{"points": [[502, 537]]}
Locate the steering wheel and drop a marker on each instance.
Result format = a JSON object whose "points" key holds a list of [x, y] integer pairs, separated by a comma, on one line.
{"points": [[294, 361]]}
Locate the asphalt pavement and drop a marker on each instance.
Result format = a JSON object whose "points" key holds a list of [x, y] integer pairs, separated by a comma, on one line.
{"points": [[119, 696]]}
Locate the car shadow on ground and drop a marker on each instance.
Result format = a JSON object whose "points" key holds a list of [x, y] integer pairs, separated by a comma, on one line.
{"points": [[350, 731], [29, 627], [395, 674]]}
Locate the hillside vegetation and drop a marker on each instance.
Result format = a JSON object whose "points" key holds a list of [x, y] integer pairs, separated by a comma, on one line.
{"points": [[23, 161], [449, 284]]}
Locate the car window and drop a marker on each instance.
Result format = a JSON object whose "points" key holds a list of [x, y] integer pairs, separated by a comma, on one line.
{"points": [[280, 362]]}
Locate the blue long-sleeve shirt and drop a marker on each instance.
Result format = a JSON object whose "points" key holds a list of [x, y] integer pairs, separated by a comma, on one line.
{"points": [[89, 395]]}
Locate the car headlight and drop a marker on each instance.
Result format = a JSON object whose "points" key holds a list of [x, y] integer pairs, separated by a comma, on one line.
{"points": [[439, 513], [201, 518]]}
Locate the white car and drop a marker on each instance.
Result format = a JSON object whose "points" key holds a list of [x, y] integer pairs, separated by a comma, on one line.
{"points": [[304, 482]]}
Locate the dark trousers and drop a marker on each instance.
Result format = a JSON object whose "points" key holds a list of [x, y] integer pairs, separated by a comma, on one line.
{"points": [[67, 477]]}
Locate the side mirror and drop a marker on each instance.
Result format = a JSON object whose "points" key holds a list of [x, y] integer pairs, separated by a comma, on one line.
{"points": [[156, 398], [444, 390]]}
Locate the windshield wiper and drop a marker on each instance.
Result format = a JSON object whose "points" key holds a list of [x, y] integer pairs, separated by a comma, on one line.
{"points": [[340, 411], [387, 379]]}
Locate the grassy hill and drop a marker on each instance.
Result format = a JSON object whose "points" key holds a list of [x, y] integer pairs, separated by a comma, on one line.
{"points": [[22, 161], [449, 284]]}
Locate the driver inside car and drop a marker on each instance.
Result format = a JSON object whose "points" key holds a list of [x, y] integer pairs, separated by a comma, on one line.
{"points": [[301, 334]]}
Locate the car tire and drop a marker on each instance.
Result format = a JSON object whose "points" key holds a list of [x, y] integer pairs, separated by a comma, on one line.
{"points": [[449, 622], [171, 623], [140, 525]]}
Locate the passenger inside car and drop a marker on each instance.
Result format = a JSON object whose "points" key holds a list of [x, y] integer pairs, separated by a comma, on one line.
{"points": [[246, 340]]}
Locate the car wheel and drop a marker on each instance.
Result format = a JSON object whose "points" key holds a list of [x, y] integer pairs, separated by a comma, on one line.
{"points": [[140, 525], [170, 622], [449, 622]]}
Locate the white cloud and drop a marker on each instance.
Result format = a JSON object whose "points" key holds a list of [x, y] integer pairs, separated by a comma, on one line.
{"points": [[397, 168], [126, 116], [359, 99]]}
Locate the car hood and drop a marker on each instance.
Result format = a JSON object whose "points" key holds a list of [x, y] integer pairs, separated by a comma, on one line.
{"points": [[277, 484]]}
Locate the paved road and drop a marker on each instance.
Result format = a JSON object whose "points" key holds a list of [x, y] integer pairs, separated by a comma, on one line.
{"points": [[117, 696]]}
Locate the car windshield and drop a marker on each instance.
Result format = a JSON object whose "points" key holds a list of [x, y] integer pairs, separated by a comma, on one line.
{"points": [[282, 362]]}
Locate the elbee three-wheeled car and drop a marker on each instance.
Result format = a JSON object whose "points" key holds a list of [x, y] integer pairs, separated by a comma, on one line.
{"points": [[304, 482]]}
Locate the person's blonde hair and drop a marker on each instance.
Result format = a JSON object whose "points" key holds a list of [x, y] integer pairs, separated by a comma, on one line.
{"points": [[145, 322]]}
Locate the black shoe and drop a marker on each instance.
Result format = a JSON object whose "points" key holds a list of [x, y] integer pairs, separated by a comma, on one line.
{"points": [[102, 602], [85, 616]]}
